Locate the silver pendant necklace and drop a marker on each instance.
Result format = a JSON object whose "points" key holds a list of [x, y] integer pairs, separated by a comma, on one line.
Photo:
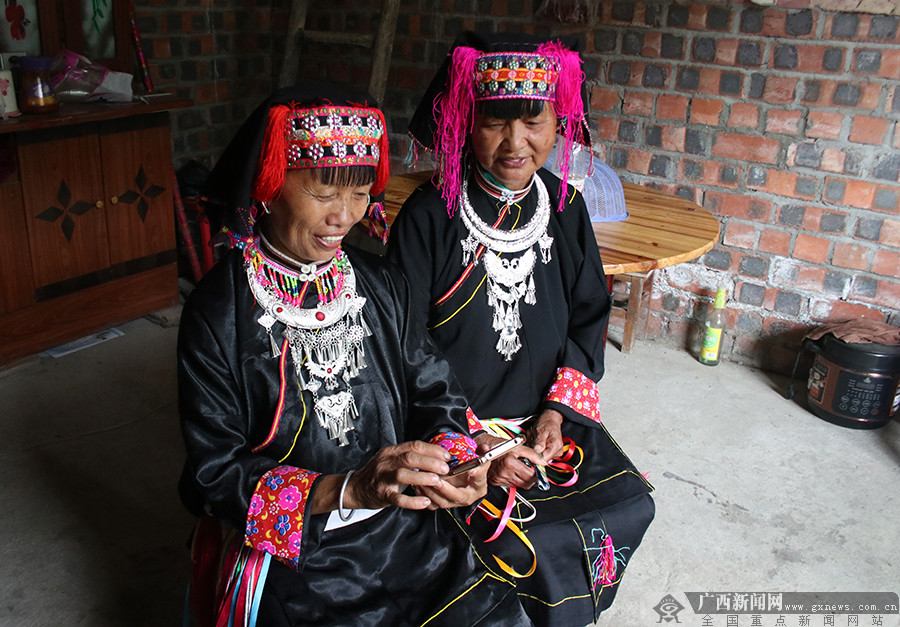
{"points": [[326, 344], [509, 278]]}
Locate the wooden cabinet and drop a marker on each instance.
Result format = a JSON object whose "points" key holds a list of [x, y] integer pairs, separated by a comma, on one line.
{"points": [[87, 235]]}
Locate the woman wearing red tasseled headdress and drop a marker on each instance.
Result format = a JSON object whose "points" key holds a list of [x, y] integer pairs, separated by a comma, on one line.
{"points": [[319, 421], [503, 264]]}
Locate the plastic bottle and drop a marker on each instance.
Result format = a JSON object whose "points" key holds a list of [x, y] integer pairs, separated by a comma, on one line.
{"points": [[37, 94], [712, 336]]}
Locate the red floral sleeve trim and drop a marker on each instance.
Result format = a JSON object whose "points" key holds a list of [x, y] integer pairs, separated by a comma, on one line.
{"points": [[461, 447], [275, 517], [576, 391], [474, 424]]}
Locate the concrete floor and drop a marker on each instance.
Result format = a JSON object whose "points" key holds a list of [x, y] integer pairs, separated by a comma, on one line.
{"points": [[754, 493]]}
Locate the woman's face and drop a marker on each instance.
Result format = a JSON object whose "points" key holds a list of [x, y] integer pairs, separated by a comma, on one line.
{"points": [[309, 219], [513, 150]]}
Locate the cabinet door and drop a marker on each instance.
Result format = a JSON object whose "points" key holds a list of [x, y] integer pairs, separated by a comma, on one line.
{"points": [[138, 179], [16, 287], [64, 209]]}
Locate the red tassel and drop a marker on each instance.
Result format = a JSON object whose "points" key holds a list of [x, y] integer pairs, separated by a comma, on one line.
{"points": [[273, 159], [383, 169]]}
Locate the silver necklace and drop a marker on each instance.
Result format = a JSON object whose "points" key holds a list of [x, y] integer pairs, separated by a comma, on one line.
{"points": [[509, 278], [326, 344]]}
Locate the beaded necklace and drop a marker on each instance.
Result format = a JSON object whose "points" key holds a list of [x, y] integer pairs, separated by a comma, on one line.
{"points": [[290, 279]]}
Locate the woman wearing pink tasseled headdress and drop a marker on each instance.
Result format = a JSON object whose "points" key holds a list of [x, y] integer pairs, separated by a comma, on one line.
{"points": [[503, 266]]}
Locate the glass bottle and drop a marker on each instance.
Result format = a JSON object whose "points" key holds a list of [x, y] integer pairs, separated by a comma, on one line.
{"points": [[712, 336], [37, 94]]}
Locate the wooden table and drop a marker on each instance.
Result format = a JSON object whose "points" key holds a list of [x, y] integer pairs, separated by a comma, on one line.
{"points": [[661, 230]]}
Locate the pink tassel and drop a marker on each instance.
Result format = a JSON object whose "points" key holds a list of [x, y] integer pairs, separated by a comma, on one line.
{"points": [[568, 105], [606, 564], [454, 110]]}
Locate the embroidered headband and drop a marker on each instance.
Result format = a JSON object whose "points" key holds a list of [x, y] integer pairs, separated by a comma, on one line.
{"points": [[318, 137], [551, 73], [515, 75]]}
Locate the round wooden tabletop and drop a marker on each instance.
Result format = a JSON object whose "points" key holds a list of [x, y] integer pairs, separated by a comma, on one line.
{"points": [[661, 229]]}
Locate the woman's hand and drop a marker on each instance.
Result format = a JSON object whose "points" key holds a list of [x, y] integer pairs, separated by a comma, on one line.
{"points": [[381, 482], [546, 435], [545, 438], [458, 491], [509, 470]]}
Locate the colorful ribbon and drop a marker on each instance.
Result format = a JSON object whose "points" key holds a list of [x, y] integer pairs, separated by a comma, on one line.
{"points": [[561, 471]]}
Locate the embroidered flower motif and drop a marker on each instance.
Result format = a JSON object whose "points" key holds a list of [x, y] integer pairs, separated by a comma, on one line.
{"points": [[252, 529], [294, 542], [360, 149], [256, 504], [334, 119], [355, 121], [316, 152], [273, 481], [268, 547], [375, 152], [289, 498], [339, 149], [283, 525]]}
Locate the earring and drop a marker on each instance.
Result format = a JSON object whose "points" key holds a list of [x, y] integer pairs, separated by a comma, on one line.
{"points": [[265, 207]]}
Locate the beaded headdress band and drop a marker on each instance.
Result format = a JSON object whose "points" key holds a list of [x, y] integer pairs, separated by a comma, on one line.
{"points": [[514, 75], [318, 137], [552, 73]]}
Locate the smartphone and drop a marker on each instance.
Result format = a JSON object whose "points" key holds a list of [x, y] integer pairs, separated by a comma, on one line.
{"points": [[498, 451]]}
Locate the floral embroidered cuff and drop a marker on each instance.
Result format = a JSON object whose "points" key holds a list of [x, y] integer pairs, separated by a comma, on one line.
{"points": [[461, 447], [275, 517], [574, 390], [474, 424]]}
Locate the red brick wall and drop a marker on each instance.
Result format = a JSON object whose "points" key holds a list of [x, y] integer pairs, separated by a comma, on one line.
{"points": [[223, 54], [782, 121]]}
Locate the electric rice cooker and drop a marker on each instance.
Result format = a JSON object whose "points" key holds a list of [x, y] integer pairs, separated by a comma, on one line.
{"points": [[853, 385]]}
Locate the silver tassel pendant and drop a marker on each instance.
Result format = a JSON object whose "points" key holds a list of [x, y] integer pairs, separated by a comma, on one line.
{"points": [[530, 293], [469, 246], [273, 345], [545, 242], [267, 322]]}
